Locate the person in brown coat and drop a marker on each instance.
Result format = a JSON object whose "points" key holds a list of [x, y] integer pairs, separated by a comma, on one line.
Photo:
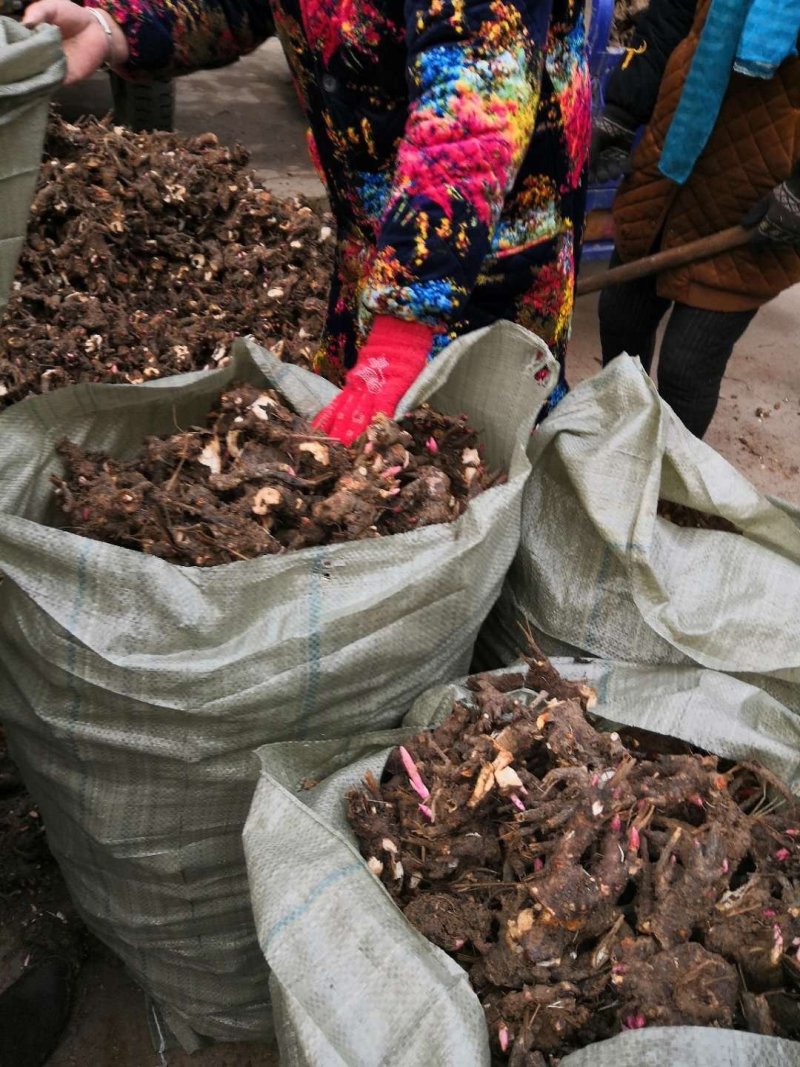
{"points": [[696, 171]]}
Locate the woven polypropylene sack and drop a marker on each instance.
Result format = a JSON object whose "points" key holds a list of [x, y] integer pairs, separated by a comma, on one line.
{"points": [[134, 691], [599, 571], [31, 67], [354, 985]]}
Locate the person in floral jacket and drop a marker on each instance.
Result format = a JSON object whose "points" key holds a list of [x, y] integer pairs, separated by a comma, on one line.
{"points": [[452, 136]]}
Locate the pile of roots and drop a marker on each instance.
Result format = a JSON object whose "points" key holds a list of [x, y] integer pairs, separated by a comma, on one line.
{"points": [[147, 253], [589, 882], [258, 480]]}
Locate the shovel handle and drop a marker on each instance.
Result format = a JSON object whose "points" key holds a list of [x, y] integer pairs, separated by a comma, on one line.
{"points": [[704, 248]]}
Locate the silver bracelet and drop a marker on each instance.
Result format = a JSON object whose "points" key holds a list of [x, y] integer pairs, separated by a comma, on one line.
{"points": [[101, 18]]}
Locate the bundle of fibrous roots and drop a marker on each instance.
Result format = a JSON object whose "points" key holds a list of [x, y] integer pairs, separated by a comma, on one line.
{"points": [[258, 480], [589, 882]]}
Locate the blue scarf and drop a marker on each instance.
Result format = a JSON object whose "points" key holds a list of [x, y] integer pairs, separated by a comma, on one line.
{"points": [[752, 37]]}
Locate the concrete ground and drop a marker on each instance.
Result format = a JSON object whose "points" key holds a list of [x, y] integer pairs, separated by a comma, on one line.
{"points": [[757, 428]]}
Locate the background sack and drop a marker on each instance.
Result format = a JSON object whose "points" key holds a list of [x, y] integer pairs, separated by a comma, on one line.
{"points": [[31, 68], [134, 691], [599, 572]]}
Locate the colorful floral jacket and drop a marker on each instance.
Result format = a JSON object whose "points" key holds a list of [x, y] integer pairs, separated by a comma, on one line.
{"points": [[452, 136]]}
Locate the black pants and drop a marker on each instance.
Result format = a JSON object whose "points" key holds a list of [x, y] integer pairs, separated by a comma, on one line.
{"points": [[694, 353]]}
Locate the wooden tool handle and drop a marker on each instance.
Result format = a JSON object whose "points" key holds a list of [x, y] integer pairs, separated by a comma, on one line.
{"points": [[705, 248]]}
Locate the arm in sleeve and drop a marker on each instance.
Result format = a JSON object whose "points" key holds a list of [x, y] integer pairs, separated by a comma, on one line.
{"points": [[474, 70], [633, 87], [171, 37]]}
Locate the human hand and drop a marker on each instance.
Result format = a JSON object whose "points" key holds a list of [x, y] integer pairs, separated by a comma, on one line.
{"points": [[777, 216], [86, 44], [389, 362], [613, 134]]}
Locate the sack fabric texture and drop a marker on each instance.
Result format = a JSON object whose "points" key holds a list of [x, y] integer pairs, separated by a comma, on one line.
{"points": [[599, 572], [354, 985], [32, 66], [135, 692]]}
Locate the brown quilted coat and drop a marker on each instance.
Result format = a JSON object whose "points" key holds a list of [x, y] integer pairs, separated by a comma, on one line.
{"points": [[754, 146]]}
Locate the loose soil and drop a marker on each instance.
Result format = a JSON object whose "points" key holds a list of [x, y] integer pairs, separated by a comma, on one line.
{"points": [[589, 882], [37, 919], [147, 254], [258, 480]]}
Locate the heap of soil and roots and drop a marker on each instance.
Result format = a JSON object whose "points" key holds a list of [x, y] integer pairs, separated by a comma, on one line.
{"points": [[147, 253], [258, 480], [589, 882]]}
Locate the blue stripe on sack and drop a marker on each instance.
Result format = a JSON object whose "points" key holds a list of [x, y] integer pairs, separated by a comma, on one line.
{"points": [[314, 644], [298, 912]]}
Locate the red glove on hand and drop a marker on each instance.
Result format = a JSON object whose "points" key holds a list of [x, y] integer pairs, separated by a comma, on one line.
{"points": [[390, 360]]}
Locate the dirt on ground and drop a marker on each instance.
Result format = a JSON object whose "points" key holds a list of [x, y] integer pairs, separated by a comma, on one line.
{"points": [[589, 882], [104, 1011], [37, 919]]}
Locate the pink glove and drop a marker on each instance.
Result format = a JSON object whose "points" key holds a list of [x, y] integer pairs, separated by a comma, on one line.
{"points": [[390, 360]]}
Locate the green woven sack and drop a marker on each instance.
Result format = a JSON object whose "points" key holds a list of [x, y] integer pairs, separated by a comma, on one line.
{"points": [[31, 67]]}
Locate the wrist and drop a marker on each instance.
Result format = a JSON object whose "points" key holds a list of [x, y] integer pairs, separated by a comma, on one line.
{"points": [[116, 43]]}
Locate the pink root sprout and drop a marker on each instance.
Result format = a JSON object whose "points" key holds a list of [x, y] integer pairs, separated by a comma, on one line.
{"points": [[634, 1022], [633, 839], [414, 779], [503, 1038]]}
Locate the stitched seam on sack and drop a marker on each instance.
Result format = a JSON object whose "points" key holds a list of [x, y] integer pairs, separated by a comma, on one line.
{"points": [[314, 604], [297, 913]]}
